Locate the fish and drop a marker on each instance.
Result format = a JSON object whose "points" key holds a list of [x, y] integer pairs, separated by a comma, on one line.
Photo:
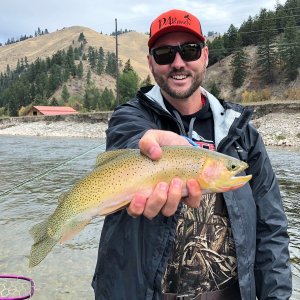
{"points": [[119, 175]]}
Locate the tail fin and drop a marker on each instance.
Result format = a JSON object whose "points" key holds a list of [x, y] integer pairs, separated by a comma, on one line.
{"points": [[43, 243]]}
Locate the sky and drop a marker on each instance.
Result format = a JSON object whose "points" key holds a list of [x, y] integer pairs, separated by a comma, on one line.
{"points": [[19, 17]]}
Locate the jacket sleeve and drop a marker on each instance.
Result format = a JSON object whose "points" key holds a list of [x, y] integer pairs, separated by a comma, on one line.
{"points": [[127, 125], [272, 267]]}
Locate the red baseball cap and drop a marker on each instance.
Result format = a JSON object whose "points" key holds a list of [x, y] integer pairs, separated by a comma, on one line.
{"points": [[175, 20]]}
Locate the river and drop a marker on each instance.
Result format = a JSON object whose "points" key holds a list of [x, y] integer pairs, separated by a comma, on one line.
{"points": [[47, 167]]}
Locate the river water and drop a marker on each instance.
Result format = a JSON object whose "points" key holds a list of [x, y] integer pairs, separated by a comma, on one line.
{"points": [[47, 167]]}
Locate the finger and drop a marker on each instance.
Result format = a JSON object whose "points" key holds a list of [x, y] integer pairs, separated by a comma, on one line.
{"points": [[151, 142], [137, 205], [149, 145], [194, 193], [174, 197], [157, 200]]}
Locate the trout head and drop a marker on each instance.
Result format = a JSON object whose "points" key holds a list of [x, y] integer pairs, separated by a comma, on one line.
{"points": [[218, 175]]}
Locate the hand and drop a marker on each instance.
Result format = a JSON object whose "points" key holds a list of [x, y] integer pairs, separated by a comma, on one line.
{"points": [[165, 198], [151, 142]]}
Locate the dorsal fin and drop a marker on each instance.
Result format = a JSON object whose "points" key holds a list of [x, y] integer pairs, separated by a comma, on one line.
{"points": [[107, 156]]}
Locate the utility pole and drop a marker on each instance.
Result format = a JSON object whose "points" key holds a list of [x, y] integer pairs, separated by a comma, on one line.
{"points": [[117, 65]]}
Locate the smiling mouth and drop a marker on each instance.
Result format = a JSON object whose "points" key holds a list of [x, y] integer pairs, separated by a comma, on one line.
{"points": [[179, 77]]}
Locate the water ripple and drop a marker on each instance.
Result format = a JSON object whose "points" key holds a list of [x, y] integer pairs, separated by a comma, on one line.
{"points": [[22, 158]]}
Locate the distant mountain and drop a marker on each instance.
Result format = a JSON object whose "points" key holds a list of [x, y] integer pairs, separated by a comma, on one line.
{"points": [[132, 45]]}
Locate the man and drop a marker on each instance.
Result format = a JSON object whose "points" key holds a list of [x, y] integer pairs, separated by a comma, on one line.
{"points": [[220, 246]]}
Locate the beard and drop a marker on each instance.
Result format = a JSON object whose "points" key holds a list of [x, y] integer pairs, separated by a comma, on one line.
{"points": [[180, 95]]}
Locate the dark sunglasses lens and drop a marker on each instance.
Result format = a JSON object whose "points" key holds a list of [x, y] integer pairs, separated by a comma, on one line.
{"points": [[190, 52], [164, 55]]}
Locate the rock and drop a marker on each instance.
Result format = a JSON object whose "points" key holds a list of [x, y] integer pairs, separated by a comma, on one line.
{"points": [[277, 129]]}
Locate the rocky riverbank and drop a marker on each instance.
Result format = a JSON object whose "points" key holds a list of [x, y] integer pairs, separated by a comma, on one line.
{"points": [[277, 129], [56, 129]]}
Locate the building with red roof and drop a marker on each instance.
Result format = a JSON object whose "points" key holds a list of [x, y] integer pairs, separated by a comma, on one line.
{"points": [[51, 111]]}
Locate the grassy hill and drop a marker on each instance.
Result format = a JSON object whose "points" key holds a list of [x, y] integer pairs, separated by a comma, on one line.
{"points": [[133, 46]]}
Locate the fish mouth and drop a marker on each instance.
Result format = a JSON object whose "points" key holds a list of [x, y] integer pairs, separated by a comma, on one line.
{"points": [[239, 181], [240, 168]]}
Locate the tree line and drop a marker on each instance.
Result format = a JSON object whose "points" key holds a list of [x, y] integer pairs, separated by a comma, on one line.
{"points": [[277, 37], [35, 83], [275, 33], [12, 40]]}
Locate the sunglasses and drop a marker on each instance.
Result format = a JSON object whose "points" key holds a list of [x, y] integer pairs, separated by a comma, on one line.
{"points": [[166, 54]]}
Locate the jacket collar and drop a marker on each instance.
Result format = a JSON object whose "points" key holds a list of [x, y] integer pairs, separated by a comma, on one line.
{"points": [[223, 118]]}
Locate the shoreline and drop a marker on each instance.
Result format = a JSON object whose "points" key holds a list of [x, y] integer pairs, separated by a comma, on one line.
{"points": [[277, 128], [56, 129]]}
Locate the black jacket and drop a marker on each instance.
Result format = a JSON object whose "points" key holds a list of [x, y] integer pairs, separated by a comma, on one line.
{"points": [[133, 252]]}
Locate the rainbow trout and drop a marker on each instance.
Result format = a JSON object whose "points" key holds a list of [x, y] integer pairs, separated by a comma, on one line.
{"points": [[120, 174]]}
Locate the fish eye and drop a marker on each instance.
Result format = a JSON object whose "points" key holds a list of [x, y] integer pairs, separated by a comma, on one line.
{"points": [[232, 167]]}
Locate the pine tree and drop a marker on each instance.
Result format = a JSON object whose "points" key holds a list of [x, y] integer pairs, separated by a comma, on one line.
{"points": [[217, 50], [107, 100], [111, 68], [92, 57], [65, 95], [280, 17], [214, 89], [53, 102], [76, 54], [289, 49], [238, 64], [128, 67], [70, 61], [128, 85], [230, 38], [100, 62], [82, 38], [245, 32], [55, 79], [92, 97], [80, 70], [41, 87], [147, 81], [267, 56], [88, 76]]}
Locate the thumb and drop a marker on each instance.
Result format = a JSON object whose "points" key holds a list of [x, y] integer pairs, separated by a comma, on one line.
{"points": [[149, 145]]}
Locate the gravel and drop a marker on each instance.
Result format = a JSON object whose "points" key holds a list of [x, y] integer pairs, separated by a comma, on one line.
{"points": [[277, 129], [56, 129]]}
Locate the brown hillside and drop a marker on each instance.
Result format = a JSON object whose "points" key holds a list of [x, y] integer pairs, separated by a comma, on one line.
{"points": [[220, 73], [132, 45]]}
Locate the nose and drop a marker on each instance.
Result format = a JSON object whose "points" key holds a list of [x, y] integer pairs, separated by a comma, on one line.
{"points": [[178, 62]]}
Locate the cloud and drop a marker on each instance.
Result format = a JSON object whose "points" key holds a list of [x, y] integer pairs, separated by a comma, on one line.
{"points": [[19, 18]]}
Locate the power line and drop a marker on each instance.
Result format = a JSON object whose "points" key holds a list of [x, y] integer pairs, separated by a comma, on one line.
{"points": [[278, 18], [225, 49], [271, 29]]}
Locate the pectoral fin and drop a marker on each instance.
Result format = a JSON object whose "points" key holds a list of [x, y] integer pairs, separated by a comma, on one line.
{"points": [[73, 229], [113, 208]]}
